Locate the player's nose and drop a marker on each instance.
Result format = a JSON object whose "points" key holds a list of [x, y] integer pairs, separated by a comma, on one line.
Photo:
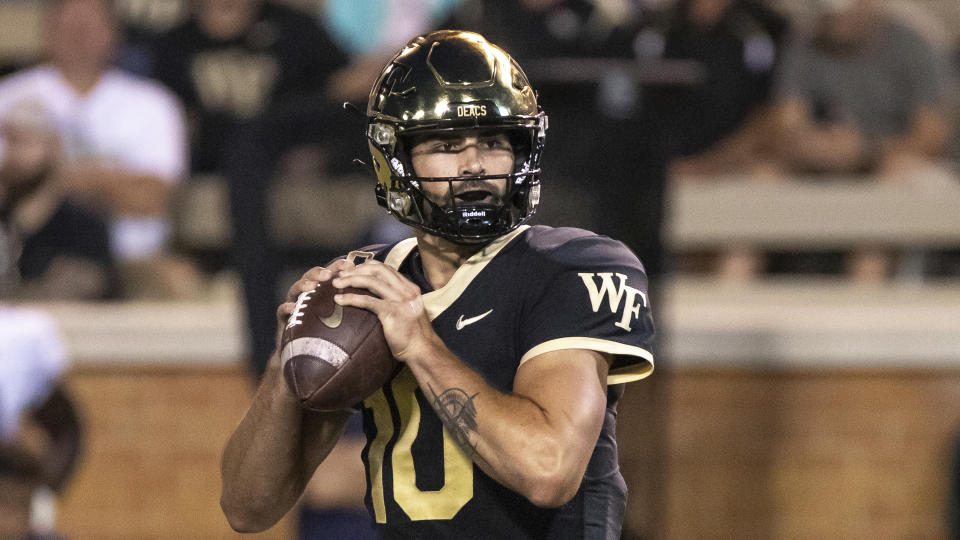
{"points": [[471, 160]]}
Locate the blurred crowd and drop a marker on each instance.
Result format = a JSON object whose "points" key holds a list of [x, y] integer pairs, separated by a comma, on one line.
{"points": [[132, 103]]}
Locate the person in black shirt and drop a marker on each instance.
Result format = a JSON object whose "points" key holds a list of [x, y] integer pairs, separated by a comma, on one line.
{"points": [[233, 60], [49, 247]]}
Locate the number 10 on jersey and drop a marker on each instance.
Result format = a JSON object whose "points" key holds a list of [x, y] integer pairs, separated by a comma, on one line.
{"points": [[418, 504]]}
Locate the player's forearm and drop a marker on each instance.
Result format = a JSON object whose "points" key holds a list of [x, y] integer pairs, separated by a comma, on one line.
{"points": [[263, 466], [510, 437], [260, 461]]}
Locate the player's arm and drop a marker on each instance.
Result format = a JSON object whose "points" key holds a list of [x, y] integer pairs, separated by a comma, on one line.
{"points": [[272, 454], [536, 440]]}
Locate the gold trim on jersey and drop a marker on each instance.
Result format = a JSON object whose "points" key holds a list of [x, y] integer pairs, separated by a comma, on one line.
{"points": [[384, 422], [625, 374], [439, 300], [399, 252]]}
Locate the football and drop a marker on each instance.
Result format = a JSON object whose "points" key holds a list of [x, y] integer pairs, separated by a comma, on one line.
{"points": [[333, 356]]}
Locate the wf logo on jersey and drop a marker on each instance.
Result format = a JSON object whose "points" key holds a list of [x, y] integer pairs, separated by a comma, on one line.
{"points": [[616, 294]]}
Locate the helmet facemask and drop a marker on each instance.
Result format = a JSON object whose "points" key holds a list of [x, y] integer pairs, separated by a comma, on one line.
{"points": [[451, 216]]}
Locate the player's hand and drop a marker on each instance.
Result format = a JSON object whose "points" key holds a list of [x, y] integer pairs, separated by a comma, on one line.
{"points": [[307, 282], [397, 303]]}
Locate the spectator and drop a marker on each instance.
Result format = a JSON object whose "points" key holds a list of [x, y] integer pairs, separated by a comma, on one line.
{"points": [[142, 23], [122, 136], [370, 31], [715, 125], [719, 124], [234, 59], [39, 428], [53, 248], [863, 93]]}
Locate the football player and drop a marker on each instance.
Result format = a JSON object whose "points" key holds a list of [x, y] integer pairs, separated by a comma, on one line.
{"points": [[514, 338]]}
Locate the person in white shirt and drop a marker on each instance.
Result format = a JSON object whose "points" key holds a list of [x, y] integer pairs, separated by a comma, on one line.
{"points": [[124, 137]]}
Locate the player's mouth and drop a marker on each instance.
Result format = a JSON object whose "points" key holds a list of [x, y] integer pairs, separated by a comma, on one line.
{"points": [[476, 196]]}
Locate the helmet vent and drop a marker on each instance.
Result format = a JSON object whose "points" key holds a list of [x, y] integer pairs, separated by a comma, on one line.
{"points": [[455, 63], [519, 81]]}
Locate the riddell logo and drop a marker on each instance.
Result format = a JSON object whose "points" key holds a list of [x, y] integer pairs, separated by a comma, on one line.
{"points": [[475, 213]]}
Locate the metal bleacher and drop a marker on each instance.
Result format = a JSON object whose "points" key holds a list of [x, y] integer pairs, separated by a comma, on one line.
{"points": [[918, 210]]}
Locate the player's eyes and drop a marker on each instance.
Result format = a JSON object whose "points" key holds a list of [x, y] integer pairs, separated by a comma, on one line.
{"points": [[496, 143], [443, 146], [491, 143]]}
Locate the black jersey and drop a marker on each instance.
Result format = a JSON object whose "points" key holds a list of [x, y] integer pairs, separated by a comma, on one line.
{"points": [[535, 290]]}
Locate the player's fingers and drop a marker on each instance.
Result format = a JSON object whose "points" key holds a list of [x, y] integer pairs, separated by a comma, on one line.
{"points": [[381, 272], [318, 273], [371, 283], [376, 268], [343, 264], [284, 310], [299, 287], [360, 300], [315, 275], [390, 290], [283, 314]]}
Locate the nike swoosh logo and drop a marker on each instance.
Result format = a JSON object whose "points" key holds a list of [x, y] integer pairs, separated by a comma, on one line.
{"points": [[461, 322], [334, 319]]}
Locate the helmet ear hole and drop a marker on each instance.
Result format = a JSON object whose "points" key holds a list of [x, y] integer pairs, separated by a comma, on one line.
{"points": [[402, 152], [520, 141]]}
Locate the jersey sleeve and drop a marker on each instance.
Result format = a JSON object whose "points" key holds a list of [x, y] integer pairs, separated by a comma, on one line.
{"points": [[590, 292]]}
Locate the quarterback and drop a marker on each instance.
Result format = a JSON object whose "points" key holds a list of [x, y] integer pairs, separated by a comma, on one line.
{"points": [[514, 339]]}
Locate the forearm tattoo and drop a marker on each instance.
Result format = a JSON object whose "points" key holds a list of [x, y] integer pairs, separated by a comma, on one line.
{"points": [[458, 414]]}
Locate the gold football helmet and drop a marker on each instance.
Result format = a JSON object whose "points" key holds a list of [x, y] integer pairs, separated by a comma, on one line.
{"points": [[453, 80]]}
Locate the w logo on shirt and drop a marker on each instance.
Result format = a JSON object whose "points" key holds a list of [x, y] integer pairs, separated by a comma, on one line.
{"points": [[620, 296]]}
